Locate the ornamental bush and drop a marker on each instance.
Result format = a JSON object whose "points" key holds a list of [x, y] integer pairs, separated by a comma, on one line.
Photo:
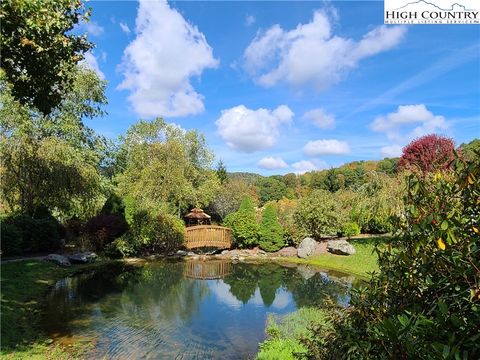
{"points": [[319, 214], [428, 153], [425, 301], [271, 232], [104, 228], [350, 229], [27, 234], [162, 233], [244, 224]]}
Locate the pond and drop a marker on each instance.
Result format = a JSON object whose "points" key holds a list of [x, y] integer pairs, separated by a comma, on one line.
{"points": [[184, 310]]}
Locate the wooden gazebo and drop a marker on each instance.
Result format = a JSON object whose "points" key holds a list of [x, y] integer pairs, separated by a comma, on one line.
{"points": [[197, 216]]}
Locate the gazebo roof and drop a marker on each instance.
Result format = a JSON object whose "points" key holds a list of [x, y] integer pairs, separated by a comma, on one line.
{"points": [[197, 213]]}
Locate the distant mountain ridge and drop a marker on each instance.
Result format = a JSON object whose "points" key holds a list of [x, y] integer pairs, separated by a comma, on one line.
{"points": [[434, 5]]}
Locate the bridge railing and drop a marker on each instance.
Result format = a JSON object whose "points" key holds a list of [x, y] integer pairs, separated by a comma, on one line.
{"points": [[208, 236]]}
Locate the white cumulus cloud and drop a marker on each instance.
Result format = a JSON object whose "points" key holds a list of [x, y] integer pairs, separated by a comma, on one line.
{"points": [[159, 63], [272, 163], [303, 166], [405, 124], [391, 151], [326, 147], [250, 130], [124, 28], [312, 54], [417, 119], [320, 118], [90, 61]]}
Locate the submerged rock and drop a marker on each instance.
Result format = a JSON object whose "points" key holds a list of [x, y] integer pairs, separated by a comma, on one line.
{"points": [[306, 248], [340, 247], [58, 259], [83, 258]]}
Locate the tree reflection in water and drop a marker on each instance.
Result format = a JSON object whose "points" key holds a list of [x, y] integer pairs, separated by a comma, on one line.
{"points": [[168, 309]]}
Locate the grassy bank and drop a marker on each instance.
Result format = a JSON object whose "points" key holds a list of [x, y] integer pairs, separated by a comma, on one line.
{"points": [[23, 288], [363, 262]]}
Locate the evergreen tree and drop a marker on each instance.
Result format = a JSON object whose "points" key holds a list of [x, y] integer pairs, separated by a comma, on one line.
{"points": [[244, 224], [222, 172], [271, 232]]}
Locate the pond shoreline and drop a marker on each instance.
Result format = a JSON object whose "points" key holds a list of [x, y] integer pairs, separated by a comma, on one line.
{"points": [[28, 291]]}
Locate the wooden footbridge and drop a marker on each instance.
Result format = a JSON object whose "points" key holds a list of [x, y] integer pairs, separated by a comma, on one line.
{"points": [[208, 236]]}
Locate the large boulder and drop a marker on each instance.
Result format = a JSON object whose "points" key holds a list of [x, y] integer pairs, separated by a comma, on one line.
{"points": [[58, 259], [83, 258], [306, 248], [340, 247], [288, 251]]}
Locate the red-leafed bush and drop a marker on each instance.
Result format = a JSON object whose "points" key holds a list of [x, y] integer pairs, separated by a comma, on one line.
{"points": [[428, 153], [104, 228]]}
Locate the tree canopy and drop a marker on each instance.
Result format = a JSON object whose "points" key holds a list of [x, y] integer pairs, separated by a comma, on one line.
{"points": [[39, 51]]}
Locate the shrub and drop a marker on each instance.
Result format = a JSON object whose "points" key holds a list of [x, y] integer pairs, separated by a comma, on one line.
{"points": [[424, 302], [428, 153], [271, 232], [104, 228], [36, 234], [114, 205], [377, 203], [155, 234], [285, 209], [350, 229], [124, 246], [11, 239], [244, 224], [319, 214]]}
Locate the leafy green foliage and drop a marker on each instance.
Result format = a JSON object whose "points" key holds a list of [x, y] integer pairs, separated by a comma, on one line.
{"points": [[350, 229], [377, 203], [11, 239], [166, 169], [244, 224], [114, 205], [271, 232], [285, 209], [470, 150], [221, 171], [424, 303], [39, 51], [319, 214], [27, 234], [52, 160], [229, 197], [149, 234], [270, 189]]}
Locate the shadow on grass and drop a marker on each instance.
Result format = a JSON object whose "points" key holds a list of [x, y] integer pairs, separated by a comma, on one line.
{"points": [[24, 285]]}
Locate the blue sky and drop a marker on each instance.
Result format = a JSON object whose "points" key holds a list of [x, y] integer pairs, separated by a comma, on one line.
{"points": [[280, 87]]}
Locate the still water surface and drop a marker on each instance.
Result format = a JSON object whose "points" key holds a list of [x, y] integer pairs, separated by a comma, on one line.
{"points": [[184, 310]]}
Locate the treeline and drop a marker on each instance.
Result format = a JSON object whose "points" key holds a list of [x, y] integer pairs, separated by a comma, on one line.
{"points": [[64, 183]]}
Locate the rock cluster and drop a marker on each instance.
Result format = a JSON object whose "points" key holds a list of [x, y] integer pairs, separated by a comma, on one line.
{"points": [[79, 258]]}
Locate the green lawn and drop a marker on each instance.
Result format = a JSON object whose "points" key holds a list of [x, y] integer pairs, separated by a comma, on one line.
{"points": [[363, 262], [23, 288]]}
